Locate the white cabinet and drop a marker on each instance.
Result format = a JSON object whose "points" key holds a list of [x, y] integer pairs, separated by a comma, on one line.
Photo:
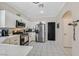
{"points": [[31, 36], [7, 19], [6, 41], [15, 40], [26, 39], [2, 18], [10, 19]]}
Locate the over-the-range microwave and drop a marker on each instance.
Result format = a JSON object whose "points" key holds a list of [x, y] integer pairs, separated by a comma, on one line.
{"points": [[19, 24]]}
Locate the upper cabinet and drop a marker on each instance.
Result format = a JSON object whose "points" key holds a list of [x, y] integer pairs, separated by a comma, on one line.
{"points": [[10, 19], [2, 18], [7, 19]]}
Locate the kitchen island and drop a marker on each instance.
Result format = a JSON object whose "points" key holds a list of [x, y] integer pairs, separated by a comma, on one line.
{"points": [[14, 50], [12, 39]]}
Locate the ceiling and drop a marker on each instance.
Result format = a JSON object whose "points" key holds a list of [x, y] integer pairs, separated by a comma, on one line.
{"points": [[50, 9]]}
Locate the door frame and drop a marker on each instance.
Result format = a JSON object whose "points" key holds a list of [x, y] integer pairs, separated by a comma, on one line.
{"points": [[55, 30]]}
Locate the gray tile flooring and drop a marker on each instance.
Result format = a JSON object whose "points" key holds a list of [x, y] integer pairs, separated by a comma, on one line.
{"points": [[49, 48]]}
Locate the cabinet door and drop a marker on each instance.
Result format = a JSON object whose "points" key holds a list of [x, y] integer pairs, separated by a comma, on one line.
{"points": [[7, 41], [31, 37], [15, 40], [2, 18], [10, 19], [26, 38]]}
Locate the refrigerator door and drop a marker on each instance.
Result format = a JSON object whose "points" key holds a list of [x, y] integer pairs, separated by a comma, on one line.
{"points": [[0, 32], [41, 33]]}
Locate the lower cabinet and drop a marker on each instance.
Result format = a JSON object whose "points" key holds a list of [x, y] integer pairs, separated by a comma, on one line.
{"points": [[6, 41], [31, 36], [15, 40]]}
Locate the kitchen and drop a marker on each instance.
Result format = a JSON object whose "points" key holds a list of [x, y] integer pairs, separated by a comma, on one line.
{"points": [[14, 31]]}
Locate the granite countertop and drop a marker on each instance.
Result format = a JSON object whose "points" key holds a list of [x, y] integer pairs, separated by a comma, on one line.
{"points": [[5, 37], [14, 50]]}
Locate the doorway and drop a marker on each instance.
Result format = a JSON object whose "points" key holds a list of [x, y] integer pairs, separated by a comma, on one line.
{"points": [[67, 33], [51, 31]]}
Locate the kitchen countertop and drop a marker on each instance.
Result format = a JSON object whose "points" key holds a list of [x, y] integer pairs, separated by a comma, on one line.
{"points": [[14, 50], [5, 37]]}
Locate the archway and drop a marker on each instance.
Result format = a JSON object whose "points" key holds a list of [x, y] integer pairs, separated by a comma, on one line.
{"points": [[67, 33]]}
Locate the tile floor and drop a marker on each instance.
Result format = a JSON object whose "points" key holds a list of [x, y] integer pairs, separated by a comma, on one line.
{"points": [[49, 48]]}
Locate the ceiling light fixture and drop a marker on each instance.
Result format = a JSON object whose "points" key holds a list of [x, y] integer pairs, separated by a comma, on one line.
{"points": [[41, 5], [35, 2]]}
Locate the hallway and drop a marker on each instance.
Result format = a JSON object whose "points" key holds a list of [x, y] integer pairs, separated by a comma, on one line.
{"points": [[49, 48]]}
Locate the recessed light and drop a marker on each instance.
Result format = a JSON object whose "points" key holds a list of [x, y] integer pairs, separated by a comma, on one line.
{"points": [[41, 11]]}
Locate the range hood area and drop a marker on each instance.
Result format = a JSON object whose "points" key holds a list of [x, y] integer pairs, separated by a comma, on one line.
{"points": [[19, 24], [11, 20]]}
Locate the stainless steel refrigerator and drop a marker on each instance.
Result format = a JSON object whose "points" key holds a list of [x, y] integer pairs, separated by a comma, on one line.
{"points": [[41, 35]]}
